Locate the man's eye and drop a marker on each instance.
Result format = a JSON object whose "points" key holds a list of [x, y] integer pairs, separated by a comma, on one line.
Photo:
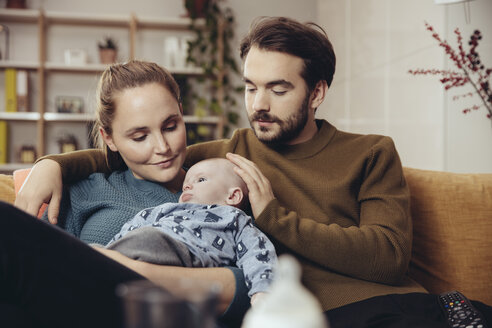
{"points": [[279, 93], [250, 90]]}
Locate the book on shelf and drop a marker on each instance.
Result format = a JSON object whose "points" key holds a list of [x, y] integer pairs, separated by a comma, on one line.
{"points": [[3, 142], [22, 90], [10, 90]]}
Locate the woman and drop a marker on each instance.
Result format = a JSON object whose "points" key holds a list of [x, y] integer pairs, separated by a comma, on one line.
{"points": [[50, 278]]}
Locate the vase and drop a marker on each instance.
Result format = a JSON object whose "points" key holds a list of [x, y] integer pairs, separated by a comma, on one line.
{"points": [[107, 56], [17, 4]]}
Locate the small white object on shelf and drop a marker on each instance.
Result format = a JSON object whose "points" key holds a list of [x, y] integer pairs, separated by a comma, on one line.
{"points": [[75, 57]]}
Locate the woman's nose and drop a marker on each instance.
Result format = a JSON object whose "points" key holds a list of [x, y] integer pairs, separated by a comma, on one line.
{"points": [[161, 145]]}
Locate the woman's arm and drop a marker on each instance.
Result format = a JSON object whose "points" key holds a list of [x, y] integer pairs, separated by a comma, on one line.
{"points": [[170, 276]]}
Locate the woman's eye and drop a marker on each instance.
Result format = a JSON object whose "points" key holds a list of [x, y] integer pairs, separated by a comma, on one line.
{"points": [[140, 138], [250, 90], [171, 127]]}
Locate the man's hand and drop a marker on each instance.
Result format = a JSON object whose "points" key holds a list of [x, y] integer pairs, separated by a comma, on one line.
{"points": [[260, 189], [43, 185]]}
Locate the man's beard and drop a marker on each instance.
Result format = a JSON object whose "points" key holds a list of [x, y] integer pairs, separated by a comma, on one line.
{"points": [[290, 128]]}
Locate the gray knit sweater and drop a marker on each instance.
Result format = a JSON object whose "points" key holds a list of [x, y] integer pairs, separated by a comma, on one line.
{"points": [[96, 208]]}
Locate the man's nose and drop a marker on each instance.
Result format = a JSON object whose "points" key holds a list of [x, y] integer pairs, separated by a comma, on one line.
{"points": [[260, 102]]}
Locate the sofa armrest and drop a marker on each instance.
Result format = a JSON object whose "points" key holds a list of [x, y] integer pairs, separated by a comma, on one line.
{"points": [[452, 229], [7, 193]]}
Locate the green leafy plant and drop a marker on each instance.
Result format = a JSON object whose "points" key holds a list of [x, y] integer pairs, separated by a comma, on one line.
{"points": [[211, 50], [107, 43]]}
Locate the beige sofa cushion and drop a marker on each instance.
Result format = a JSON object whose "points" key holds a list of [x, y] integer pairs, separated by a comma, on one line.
{"points": [[452, 234], [7, 193]]}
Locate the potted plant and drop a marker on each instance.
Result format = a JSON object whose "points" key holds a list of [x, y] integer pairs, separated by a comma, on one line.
{"points": [[196, 8], [108, 50], [212, 51]]}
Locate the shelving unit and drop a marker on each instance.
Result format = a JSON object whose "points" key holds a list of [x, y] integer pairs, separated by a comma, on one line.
{"points": [[44, 68]]}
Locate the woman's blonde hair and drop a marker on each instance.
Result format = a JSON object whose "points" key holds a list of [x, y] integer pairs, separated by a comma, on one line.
{"points": [[117, 78]]}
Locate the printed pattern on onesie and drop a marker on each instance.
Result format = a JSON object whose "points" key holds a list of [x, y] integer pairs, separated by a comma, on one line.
{"points": [[216, 235]]}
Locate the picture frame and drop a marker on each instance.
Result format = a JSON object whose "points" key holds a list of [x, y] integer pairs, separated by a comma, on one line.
{"points": [[69, 104]]}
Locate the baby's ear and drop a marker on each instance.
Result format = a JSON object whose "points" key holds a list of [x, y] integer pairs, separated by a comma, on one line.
{"points": [[235, 196]]}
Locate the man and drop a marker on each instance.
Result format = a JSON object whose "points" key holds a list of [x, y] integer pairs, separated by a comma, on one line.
{"points": [[337, 201]]}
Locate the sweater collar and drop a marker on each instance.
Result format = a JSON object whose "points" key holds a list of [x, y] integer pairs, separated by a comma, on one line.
{"points": [[141, 184], [309, 148]]}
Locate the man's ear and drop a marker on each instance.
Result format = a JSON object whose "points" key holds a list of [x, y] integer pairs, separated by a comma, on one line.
{"points": [[235, 196], [108, 140], [318, 94]]}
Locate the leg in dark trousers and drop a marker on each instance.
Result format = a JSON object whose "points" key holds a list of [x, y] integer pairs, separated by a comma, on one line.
{"points": [[53, 278], [415, 310]]}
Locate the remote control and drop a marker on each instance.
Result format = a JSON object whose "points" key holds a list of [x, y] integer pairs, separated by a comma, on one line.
{"points": [[460, 312]]}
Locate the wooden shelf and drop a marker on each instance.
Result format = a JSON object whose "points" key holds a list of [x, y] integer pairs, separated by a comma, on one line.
{"points": [[20, 116], [11, 167], [204, 120], [19, 64], [90, 19], [94, 19], [19, 15], [172, 23], [68, 117], [87, 117], [43, 67], [63, 68], [98, 68]]}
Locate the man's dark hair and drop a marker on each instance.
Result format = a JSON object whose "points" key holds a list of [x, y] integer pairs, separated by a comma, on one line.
{"points": [[307, 41]]}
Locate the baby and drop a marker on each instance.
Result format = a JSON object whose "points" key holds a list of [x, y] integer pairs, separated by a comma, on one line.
{"points": [[207, 228]]}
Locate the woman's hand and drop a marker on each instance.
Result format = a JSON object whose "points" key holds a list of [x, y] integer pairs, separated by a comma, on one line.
{"points": [[259, 187], [170, 277], [43, 185]]}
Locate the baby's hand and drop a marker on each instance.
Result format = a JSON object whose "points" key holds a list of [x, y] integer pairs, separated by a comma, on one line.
{"points": [[257, 298]]}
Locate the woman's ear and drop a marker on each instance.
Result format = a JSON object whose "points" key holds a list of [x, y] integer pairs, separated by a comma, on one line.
{"points": [[108, 140], [318, 94], [235, 196]]}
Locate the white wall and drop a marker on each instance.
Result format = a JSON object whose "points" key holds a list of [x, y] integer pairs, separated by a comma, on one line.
{"points": [[149, 46], [377, 42]]}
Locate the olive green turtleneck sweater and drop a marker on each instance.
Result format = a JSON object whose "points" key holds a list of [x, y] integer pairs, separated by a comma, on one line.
{"points": [[341, 207]]}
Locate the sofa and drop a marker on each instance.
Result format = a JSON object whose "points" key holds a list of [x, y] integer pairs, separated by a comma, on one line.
{"points": [[452, 229]]}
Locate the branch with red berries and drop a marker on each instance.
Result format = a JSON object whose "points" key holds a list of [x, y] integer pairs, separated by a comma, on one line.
{"points": [[470, 70]]}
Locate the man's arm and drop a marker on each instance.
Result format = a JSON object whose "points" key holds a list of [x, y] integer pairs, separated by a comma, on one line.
{"points": [[44, 183], [78, 165]]}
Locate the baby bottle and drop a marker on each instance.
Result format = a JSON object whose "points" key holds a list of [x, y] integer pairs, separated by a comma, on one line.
{"points": [[288, 304]]}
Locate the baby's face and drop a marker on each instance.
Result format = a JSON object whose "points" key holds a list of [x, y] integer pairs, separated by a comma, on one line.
{"points": [[207, 182]]}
